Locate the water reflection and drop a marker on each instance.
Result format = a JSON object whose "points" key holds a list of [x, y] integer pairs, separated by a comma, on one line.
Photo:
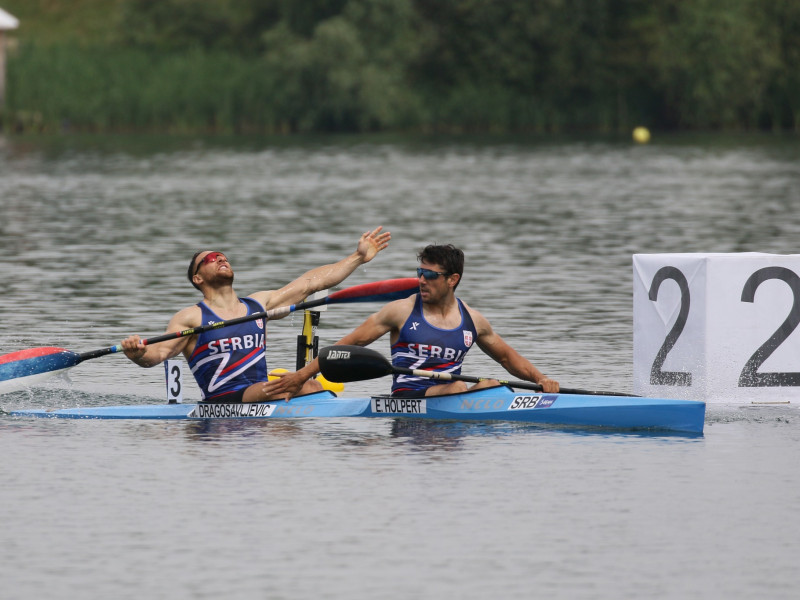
{"points": [[260, 430], [432, 435], [450, 435]]}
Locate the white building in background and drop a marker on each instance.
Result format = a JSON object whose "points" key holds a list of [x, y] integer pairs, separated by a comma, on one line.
{"points": [[7, 23]]}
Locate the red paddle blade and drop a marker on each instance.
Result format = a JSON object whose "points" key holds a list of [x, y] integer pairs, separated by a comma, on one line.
{"points": [[378, 291], [30, 353], [25, 367]]}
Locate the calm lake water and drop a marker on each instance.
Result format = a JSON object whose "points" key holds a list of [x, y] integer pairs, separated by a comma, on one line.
{"points": [[96, 234]]}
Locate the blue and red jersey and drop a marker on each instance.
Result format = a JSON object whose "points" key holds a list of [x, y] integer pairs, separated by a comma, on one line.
{"points": [[421, 345], [231, 358]]}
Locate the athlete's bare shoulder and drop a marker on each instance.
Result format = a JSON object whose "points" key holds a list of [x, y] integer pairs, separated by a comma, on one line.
{"points": [[265, 298], [395, 313], [481, 323], [186, 318]]}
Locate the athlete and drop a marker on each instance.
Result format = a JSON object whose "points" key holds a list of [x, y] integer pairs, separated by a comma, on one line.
{"points": [[229, 363], [432, 330]]}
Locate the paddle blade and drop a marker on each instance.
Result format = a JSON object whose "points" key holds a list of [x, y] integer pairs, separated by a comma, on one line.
{"points": [[352, 363], [27, 367], [377, 291]]}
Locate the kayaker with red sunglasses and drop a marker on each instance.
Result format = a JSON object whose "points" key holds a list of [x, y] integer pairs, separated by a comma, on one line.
{"points": [[229, 363]]}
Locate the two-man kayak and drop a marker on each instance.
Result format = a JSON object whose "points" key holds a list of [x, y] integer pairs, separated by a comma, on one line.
{"points": [[488, 404]]}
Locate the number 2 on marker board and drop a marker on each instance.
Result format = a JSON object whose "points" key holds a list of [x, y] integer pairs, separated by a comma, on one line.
{"points": [[749, 376]]}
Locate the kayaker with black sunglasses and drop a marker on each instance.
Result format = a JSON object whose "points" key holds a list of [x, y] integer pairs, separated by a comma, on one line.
{"points": [[431, 330]]}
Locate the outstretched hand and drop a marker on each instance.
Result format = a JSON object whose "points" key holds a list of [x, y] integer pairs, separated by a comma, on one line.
{"points": [[373, 242]]}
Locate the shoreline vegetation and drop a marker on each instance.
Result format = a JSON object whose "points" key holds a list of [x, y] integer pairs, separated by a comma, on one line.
{"points": [[412, 66]]}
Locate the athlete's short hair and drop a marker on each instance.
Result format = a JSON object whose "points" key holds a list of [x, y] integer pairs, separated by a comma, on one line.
{"points": [[447, 255], [190, 272]]}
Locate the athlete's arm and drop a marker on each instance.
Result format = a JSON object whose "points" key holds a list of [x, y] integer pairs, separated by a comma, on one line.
{"points": [[512, 361], [149, 356], [326, 276]]}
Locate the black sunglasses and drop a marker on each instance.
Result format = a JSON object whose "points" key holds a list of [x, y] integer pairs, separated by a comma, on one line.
{"points": [[429, 274]]}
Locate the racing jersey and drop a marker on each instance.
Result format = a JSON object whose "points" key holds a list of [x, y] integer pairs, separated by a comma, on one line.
{"points": [[231, 358], [421, 345]]}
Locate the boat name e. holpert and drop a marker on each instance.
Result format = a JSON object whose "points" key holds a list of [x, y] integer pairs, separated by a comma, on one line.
{"points": [[224, 411], [403, 406]]}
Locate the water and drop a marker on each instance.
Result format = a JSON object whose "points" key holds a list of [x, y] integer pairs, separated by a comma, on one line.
{"points": [[96, 235]]}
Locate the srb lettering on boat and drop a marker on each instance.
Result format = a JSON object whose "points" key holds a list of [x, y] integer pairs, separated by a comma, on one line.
{"points": [[403, 406], [531, 401], [524, 402], [230, 411]]}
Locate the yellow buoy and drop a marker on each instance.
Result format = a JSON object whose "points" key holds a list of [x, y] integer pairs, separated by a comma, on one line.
{"points": [[641, 135], [330, 385]]}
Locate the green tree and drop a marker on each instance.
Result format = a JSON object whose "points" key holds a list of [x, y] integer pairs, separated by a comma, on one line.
{"points": [[233, 25], [349, 74], [782, 102], [713, 59]]}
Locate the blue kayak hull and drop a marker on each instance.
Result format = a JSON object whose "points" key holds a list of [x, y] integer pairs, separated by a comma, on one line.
{"points": [[494, 404]]}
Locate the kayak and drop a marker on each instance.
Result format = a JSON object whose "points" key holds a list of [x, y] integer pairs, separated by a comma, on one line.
{"points": [[487, 404]]}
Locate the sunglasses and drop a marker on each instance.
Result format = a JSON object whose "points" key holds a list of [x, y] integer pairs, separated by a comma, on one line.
{"points": [[429, 274], [209, 258]]}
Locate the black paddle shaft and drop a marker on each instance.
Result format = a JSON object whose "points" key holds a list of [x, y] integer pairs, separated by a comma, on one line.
{"points": [[343, 364]]}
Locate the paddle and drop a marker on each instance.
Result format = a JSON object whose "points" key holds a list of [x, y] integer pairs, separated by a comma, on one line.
{"points": [[37, 363], [355, 363]]}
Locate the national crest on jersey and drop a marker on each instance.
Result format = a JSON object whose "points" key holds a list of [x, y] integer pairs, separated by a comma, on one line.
{"points": [[421, 345], [467, 338], [230, 358]]}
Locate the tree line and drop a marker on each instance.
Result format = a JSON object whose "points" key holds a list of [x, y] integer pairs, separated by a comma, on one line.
{"points": [[539, 66]]}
